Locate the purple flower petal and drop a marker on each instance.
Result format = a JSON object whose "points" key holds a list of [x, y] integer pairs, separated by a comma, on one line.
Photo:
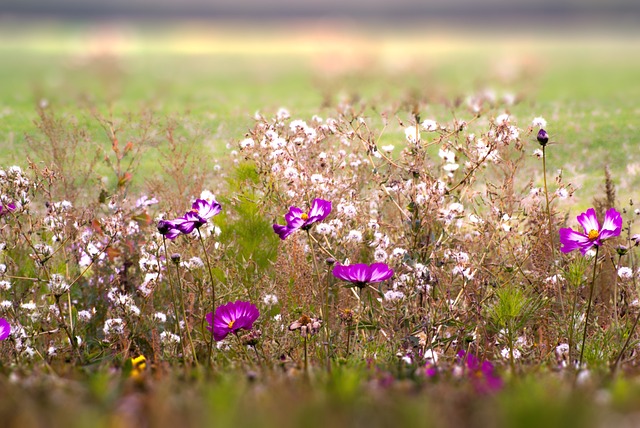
{"points": [[612, 225], [572, 240], [5, 329], [206, 209], [298, 219], [282, 231], [589, 221], [232, 317], [320, 209], [361, 274], [380, 272]]}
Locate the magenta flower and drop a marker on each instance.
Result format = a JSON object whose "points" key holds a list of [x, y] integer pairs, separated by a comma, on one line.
{"points": [[483, 375], [362, 274], [232, 317], [593, 234], [5, 329], [201, 211], [298, 219], [206, 209], [168, 229], [6, 209]]}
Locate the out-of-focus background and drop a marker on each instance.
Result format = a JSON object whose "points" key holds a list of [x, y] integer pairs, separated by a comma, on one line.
{"points": [[212, 65]]}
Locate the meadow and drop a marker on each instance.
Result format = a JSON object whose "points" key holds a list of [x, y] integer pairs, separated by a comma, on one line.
{"points": [[239, 226]]}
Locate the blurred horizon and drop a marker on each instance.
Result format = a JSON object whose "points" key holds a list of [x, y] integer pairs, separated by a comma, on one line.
{"points": [[496, 12]]}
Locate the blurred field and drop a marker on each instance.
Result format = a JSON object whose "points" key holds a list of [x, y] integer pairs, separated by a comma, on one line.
{"points": [[212, 77]]}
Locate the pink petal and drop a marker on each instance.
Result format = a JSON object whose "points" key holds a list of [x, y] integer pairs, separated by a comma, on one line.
{"points": [[589, 221], [612, 225], [572, 240], [380, 272]]}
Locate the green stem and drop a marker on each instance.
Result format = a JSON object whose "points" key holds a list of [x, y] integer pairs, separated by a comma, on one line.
{"points": [[213, 294], [586, 319], [184, 315], [173, 297], [553, 248]]}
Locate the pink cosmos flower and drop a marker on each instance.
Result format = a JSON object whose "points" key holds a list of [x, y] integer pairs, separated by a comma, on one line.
{"points": [[362, 274], [594, 234], [232, 317], [482, 375], [201, 211], [168, 229], [5, 329], [6, 209], [298, 219]]}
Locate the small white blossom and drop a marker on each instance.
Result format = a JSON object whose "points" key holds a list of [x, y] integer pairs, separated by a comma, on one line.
{"points": [[393, 295], [411, 134], [625, 272], [387, 149], [354, 236], [113, 327], [539, 122], [270, 299], [85, 315], [429, 125]]}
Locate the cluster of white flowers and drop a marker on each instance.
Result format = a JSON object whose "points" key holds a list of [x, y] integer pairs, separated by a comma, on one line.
{"points": [[270, 300], [113, 327], [58, 284]]}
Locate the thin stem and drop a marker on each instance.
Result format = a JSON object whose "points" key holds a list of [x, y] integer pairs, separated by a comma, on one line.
{"points": [[213, 294], [184, 315], [573, 322], [553, 248], [626, 343], [173, 297], [306, 365], [586, 319], [615, 294]]}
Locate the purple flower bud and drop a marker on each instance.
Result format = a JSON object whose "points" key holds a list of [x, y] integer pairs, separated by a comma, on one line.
{"points": [[543, 137]]}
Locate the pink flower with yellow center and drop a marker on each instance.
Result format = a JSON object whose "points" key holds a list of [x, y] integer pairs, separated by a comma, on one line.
{"points": [[298, 219], [594, 234], [231, 317]]}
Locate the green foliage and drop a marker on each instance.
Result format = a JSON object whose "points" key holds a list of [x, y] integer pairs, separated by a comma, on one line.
{"points": [[513, 309]]}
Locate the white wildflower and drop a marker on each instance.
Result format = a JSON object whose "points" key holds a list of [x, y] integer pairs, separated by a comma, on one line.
{"points": [[539, 122], [270, 299], [429, 125]]}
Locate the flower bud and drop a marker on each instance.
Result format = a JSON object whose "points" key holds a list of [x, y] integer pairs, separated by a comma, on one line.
{"points": [[543, 137], [621, 250]]}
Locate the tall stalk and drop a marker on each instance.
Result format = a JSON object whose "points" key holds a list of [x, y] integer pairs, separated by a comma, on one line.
{"points": [[213, 294], [184, 313], [586, 319], [173, 297], [548, 208]]}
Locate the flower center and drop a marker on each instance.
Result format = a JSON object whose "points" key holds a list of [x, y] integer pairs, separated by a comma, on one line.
{"points": [[304, 216], [593, 234], [231, 323]]}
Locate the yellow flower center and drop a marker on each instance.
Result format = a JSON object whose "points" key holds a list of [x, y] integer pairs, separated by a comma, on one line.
{"points": [[304, 216], [593, 234], [231, 323]]}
